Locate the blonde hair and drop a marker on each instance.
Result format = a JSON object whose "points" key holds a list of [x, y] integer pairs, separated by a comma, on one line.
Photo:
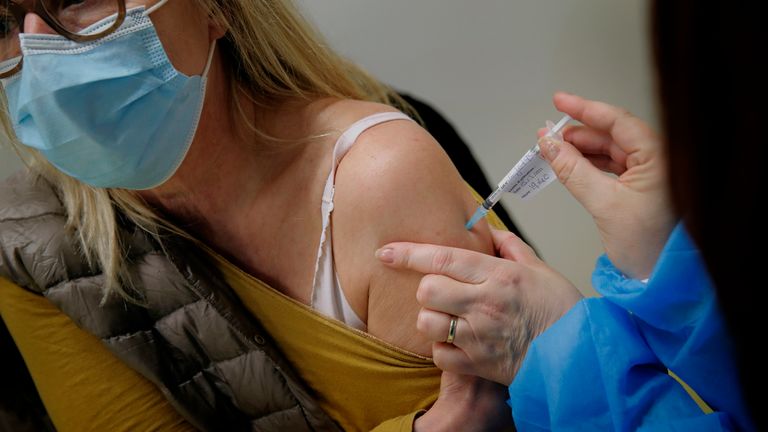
{"points": [[271, 52]]}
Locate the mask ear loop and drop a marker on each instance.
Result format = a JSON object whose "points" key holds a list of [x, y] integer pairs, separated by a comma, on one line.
{"points": [[211, 50], [155, 7]]}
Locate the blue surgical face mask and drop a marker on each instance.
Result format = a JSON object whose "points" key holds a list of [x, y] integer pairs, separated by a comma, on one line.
{"points": [[112, 112]]}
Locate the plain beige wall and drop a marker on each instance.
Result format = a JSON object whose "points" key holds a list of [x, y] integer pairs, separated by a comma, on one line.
{"points": [[491, 67]]}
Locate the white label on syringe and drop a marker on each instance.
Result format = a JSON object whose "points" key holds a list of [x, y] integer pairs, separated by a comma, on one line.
{"points": [[531, 174]]}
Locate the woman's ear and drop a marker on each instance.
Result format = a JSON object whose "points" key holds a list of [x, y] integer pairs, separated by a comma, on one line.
{"points": [[216, 28]]}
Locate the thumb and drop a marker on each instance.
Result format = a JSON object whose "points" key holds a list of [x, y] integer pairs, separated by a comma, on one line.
{"points": [[453, 384], [582, 179], [511, 247]]}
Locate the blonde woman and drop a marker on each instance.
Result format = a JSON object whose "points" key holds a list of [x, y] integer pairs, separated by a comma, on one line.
{"points": [[207, 184]]}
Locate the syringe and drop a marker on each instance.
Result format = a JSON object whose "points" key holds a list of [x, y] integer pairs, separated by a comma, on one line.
{"points": [[515, 176]]}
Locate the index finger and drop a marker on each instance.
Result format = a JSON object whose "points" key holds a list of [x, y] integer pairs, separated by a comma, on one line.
{"points": [[627, 130], [459, 264]]}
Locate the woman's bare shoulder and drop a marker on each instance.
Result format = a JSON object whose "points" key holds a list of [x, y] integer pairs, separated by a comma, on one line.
{"points": [[339, 114], [396, 184]]}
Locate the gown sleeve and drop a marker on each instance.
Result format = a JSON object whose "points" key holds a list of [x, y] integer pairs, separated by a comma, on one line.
{"points": [[604, 365]]}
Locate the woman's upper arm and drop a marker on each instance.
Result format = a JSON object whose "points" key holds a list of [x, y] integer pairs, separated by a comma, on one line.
{"points": [[397, 184]]}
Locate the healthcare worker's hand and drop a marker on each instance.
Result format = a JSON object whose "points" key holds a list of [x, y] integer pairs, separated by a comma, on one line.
{"points": [[633, 212], [502, 304], [467, 403]]}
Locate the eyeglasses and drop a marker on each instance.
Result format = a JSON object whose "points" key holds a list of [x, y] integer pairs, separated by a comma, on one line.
{"points": [[70, 18]]}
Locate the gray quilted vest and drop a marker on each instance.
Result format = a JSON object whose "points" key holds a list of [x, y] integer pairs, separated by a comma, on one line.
{"points": [[195, 340]]}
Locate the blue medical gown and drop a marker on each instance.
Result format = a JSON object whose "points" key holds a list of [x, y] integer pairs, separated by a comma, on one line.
{"points": [[603, 365]]}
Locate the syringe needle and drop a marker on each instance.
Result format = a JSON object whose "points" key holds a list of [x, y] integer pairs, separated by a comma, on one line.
{"points": [[479, 214], [511, 179]]}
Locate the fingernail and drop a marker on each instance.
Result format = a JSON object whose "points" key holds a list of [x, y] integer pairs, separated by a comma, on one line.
{"points": [[386, 255], [550, 148]]}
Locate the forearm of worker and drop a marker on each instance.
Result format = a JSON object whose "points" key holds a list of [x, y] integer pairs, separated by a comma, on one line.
{"points": [[678, 315], [593, 370], [397, 184]]}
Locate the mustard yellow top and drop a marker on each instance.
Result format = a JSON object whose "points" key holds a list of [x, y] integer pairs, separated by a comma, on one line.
{"points": [[359, 380], [86, 388], [83, 385]]}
